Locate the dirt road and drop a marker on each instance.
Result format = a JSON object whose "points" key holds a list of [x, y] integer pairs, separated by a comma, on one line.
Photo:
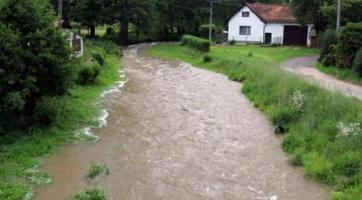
{"points": [[305, 67], [176, 132]]}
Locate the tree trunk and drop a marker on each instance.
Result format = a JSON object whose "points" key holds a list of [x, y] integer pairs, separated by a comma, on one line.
{"points": [[137, 34], [123, 35], [92, 31]]}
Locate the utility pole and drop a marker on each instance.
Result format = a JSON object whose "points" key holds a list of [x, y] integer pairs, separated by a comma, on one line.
{"points": [[60, 13], [210, 22], [211, 16], [338, 26]]}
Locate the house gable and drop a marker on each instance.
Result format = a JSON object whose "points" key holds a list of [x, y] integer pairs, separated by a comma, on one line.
{"points": [[253, 21]]}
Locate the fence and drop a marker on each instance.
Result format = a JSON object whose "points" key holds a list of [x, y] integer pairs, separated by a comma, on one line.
{"points": [[76, 44]]}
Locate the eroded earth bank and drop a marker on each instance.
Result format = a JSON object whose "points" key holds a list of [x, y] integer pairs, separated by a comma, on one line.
{"points": [[176, 132]]}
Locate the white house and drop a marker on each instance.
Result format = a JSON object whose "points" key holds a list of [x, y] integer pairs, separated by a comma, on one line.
{"points": [[268, 23]]}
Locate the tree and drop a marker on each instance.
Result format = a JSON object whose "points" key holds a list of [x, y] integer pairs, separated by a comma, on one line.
{"points": [[309, 11], [351, 12], [34, 57], [89, 13]]}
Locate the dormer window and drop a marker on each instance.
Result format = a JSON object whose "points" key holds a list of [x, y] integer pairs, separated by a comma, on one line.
{"points": [[245, 14]]}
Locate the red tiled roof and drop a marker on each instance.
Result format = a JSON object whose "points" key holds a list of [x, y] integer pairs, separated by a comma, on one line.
{"points": [[273, 12]]}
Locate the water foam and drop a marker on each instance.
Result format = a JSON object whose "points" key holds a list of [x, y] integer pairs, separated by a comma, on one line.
{"points": [[87, 132]]}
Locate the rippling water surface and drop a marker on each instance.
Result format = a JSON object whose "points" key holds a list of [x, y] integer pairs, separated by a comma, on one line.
{"points": [[175, 132]]}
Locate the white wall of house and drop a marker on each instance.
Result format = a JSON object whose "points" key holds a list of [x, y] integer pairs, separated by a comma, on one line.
{"points": [[258, 29], [256, 24], [277, 31]]}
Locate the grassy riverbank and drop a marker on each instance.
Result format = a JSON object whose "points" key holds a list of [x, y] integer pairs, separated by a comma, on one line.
{"points": [[21, 152], [343, 74], [323, 129]]}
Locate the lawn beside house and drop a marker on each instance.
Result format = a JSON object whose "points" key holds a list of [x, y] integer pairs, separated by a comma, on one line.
{"points": [[21, 153], [322, 129]]}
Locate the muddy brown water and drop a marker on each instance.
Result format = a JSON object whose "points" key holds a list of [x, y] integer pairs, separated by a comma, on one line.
{"points": [[176, 132]]}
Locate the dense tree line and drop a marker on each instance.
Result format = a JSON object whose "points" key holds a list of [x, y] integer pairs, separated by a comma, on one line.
{"points": [[158, 19], [170, 19]]}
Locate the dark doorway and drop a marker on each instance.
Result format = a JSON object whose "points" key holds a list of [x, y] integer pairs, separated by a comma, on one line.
{"points": [[295, 35], [268, 38]]}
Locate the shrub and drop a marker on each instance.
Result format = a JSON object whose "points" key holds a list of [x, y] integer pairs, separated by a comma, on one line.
{"points": [[99, 58], [110, 34], [330, 59], [88, 74], [357, 63], [326, 40], [350, 41], [109, 47], [207, 59], [291, 143], [196, 43], [284, 116], [90, 194], [348, 164], [204, 30], [34, 58], [94, 171], [47, 111], [250, 54]]}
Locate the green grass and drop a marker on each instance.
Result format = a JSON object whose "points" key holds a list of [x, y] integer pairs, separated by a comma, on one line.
{"points": [[323, 129], [344, 74], [95, 170], [21, 153], [89, 194]]}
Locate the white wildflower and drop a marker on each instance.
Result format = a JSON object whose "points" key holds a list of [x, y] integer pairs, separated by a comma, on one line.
{"points": [[349, 129], [297, 100]]}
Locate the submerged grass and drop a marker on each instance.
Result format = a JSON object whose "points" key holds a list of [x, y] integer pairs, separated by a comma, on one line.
{"points": [[96, 170], [20, 152], [323, 129], [89, 194]]}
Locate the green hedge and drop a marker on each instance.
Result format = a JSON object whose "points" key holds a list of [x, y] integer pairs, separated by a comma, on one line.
{"points": [[350, 41], [196, 43], [204, 30], [341, 53]]}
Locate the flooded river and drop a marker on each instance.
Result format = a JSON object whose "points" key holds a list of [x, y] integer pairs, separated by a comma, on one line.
{"points": [[176, 132]]}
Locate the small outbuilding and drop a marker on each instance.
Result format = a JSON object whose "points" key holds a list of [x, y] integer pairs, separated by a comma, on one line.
{"points": [[268, 24]]}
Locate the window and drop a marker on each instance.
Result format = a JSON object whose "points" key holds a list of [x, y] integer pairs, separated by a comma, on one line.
{"points": [[245, 30], [245, 14]]}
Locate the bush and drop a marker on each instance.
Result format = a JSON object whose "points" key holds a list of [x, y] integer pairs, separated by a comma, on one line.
{"points": [[326, 40], [90, 194], [196, 43], [207, 59], [94, 171], [109, 47], [204, 30], [47, 111], [348, 164], [357, 63], [99, 58], [284, 116], [88, 74], [110, 34], [350, 41], [34, 57]]}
